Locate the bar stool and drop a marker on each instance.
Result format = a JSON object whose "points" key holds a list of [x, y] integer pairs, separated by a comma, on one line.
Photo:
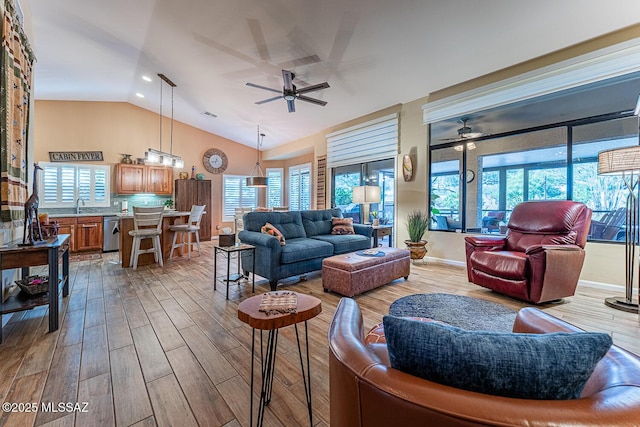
{"points": [[147, 224], [191, 227]]}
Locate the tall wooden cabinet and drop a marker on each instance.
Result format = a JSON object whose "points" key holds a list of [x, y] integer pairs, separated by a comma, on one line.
{"points": [[195, 192]]}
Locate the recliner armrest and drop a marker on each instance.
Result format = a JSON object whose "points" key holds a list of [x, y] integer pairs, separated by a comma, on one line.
{"points": [[539, 248], [496, 242]]}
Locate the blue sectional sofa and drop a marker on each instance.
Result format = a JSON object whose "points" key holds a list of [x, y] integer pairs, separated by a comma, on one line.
{"points": [[308, 240]]}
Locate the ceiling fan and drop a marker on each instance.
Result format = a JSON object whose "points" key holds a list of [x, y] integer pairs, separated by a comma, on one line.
{"points": [[465, 132], [290, 92]]}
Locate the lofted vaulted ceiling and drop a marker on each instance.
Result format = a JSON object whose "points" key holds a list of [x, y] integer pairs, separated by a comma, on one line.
{"points": [[373, 53]]}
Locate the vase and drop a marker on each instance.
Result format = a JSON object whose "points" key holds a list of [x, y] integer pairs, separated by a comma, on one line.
{"points": [[376, 222], [417, 249]]}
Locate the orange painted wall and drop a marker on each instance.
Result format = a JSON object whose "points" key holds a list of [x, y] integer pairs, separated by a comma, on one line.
{"points": [[118, 127]]}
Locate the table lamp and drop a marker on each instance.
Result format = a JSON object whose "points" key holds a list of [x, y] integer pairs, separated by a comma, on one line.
{"points": [[365, 195]]}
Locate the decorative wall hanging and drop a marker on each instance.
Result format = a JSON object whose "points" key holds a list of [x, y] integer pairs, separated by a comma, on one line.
{"points": [[407, 168], [15, 79]]}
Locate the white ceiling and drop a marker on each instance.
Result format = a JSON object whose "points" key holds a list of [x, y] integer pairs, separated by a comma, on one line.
{"points": [[373, 53]]}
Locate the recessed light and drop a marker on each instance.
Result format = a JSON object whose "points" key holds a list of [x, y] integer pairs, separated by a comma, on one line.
{"points": [[147, 79], [139, 95]]}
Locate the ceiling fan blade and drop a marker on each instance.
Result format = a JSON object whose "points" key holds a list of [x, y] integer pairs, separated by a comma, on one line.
{"points": [[312, 100], [264, 101], [258, 38], [311, 59], [287, 77], [291, 106], [313, 88], [264, 87]]}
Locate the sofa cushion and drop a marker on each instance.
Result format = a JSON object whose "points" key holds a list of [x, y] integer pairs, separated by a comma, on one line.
{"points": [[289, 223], [529, 366], [509, 265], [345, 243], [272, 230], [342, 226], [319, 222], [302, 249]]}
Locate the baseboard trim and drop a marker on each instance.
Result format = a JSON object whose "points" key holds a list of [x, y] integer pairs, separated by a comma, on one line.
{"points": [[581, 283]]}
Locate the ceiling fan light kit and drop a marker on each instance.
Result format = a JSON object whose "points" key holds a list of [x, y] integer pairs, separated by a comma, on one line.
{"points": [[290, 92], [464, 133]]}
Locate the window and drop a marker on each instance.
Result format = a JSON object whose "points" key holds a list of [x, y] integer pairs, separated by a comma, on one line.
{"points": [[300, 187], [64, 183], [274, 187], [236, 194]]}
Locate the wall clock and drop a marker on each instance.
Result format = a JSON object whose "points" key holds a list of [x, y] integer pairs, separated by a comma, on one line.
{"points": [[470, 175], [215, 161]]}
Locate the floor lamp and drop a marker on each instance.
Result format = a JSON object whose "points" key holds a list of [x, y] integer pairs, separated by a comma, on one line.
{"points": [[365, 195], [626, 162]]}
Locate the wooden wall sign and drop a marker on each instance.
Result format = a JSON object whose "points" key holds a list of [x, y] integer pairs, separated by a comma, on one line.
{"points": [[75, 156]]}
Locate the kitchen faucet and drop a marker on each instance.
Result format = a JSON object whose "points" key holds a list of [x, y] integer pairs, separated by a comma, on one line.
{"points": [[78, 200]]}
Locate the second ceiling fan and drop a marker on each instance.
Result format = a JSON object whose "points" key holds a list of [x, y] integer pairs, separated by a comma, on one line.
{"points": [[290, 92]]}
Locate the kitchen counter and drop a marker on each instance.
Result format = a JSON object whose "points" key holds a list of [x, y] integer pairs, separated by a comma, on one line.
{"points": [[83, 214]]}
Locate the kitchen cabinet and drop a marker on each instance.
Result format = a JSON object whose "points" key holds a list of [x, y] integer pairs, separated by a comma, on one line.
{"points": [[85, 232], [196, 192], [133, 179], [89, 233], [159, 180], [67, 226]]}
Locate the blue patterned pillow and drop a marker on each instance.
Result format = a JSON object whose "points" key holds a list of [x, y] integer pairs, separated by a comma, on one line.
{"points": [[527, 366]]}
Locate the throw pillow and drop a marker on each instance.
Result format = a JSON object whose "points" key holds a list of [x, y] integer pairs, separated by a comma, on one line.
{"points": [[527, 366], [342, 226], [271, 230]]}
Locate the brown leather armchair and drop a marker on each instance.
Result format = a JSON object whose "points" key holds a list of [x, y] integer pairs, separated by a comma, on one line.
{"points": [[541, 256], [366, 391]]}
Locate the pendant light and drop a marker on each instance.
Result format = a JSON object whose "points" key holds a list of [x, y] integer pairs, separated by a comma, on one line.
{"points": [[257, 178], [159, 156]]}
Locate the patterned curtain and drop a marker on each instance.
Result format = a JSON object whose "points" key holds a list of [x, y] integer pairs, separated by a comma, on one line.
{"points": [[15, 91]]}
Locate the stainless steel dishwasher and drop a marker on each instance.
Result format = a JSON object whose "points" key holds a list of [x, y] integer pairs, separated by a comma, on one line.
{"points": [[111, 234]]}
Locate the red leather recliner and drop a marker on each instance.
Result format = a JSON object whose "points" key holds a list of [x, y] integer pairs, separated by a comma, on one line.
{"points": [[540, 257]]}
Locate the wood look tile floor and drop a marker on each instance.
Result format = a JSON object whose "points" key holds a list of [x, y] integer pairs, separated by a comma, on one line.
{"points": [[158, 346]]}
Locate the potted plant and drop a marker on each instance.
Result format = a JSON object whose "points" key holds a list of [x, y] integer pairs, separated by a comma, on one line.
{"points": [[417, 224], [375, 221], [168, 204]]}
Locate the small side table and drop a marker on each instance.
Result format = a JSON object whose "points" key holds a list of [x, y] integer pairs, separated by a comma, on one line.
{"points": [[381, 231], [229, 251], [248, 312]]}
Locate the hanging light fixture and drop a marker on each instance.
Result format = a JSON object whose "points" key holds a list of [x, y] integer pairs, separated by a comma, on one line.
{"points": [[159, 156], [257, 178]]}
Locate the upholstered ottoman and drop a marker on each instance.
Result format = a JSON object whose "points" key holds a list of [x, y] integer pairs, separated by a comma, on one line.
{"points": [[352, 274]]}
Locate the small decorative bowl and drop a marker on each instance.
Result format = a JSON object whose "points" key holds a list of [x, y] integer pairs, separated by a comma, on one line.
{"points": [[34, 285], [199, 176]]}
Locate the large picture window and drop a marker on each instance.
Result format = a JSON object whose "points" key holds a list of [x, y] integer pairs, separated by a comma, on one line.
{"points": [[558, 162]]}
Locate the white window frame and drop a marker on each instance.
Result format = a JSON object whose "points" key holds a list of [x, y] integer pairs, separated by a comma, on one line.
{"points": [[250, 203], [299, 170], [88, 196], [275, 174]]}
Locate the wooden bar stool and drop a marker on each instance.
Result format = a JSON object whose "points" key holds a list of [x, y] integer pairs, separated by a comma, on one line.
{"points": [[191, 227], [147, 224]]}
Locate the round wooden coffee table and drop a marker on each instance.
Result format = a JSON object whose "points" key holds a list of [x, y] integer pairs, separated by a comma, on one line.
{"points": [[248, 312]]}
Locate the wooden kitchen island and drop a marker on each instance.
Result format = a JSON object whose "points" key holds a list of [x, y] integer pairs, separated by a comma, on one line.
{"points": [[166, 238]]}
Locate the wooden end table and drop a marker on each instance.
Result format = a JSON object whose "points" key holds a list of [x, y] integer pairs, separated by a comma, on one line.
{"points": [[229, 251], [248, 312], [380, 231]]}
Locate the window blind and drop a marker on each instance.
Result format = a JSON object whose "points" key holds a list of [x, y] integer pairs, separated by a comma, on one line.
{"points": [[374, 140], [300, 187], [236, 195], [63, 183], [274, 187]]}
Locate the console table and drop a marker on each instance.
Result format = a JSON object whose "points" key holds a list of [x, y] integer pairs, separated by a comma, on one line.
{"points": [[49, 252]]}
